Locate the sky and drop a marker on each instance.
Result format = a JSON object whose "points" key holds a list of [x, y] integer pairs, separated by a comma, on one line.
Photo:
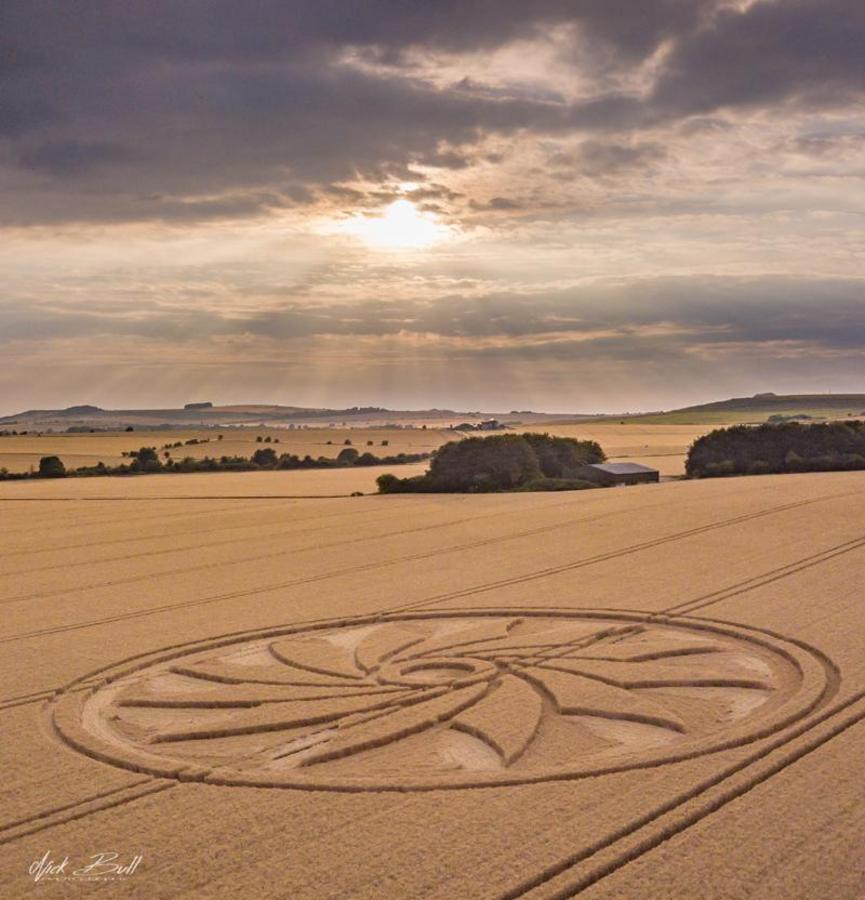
{"points": [[559, 205]]}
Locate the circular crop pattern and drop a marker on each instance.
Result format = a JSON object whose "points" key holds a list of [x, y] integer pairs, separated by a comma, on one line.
{"points": [[428, 700]]}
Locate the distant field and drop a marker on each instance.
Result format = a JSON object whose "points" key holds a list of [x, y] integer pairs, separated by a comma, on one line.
{"points": [[662, 447], [21, 452]]}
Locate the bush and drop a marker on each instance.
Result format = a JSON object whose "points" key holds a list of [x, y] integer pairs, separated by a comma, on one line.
{"points": [[51, 467], [390, 484], [347, 457], [265, 458], [145, 460], [793, 462], [721, 469], [759, 467], [366, 459], [557, 484]]}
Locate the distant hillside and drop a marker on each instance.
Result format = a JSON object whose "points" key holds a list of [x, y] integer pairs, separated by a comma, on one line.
{"points": [[202, 414], [760, 407], [852, 403]]}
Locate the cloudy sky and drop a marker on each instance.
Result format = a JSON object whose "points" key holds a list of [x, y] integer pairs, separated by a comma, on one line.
{"points": [[567, 205]]}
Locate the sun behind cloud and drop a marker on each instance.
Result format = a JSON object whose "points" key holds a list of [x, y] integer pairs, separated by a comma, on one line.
{"points": [[401, 226]]}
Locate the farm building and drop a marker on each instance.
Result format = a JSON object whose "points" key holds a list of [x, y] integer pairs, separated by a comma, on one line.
{"points": [[618, 473]]}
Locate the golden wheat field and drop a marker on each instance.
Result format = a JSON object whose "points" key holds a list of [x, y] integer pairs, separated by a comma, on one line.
{"points": [[655, 691]]}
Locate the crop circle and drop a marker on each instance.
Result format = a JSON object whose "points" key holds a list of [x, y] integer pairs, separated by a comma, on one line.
{"points": [[435, 700]]}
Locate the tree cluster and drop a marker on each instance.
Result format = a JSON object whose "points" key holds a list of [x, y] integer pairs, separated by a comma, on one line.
{"points": [[507, 462], [778, 448]]}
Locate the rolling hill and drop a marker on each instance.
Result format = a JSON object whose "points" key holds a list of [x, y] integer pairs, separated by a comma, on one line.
{"points": [[202, 414], [759, 407]]}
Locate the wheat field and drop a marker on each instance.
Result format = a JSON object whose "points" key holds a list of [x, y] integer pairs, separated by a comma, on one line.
{"points": [[639, 692]]}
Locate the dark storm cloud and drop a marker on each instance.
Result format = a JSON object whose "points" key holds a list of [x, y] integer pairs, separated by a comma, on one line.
{"points": [[273, 30], [115, 111], [220, 130], [805, 50]]}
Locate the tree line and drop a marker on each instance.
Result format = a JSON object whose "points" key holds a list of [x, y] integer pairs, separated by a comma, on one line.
{"points": [[778, 448], [146, 461]]}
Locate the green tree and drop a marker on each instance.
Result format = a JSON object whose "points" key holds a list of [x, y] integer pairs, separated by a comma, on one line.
{"points": [[265, 458], [51, 467], [502, 462], [561, 457], [145, 460]]}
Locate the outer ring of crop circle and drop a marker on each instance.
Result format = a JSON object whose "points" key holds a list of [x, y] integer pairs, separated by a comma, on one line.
{"points": [[818, 682]]}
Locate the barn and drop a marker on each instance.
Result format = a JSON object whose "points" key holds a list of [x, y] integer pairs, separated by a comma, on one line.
{"points": [[618, 473]]}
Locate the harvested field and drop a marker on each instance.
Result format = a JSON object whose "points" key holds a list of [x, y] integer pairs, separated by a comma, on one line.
{"points": [[641, 692]]}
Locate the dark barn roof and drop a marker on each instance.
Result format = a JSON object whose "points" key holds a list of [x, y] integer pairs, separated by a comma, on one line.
{"points": [[622, 468]]}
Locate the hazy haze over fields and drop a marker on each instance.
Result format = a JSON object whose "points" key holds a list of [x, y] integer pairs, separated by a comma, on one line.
{"points": [[554, 205]]}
